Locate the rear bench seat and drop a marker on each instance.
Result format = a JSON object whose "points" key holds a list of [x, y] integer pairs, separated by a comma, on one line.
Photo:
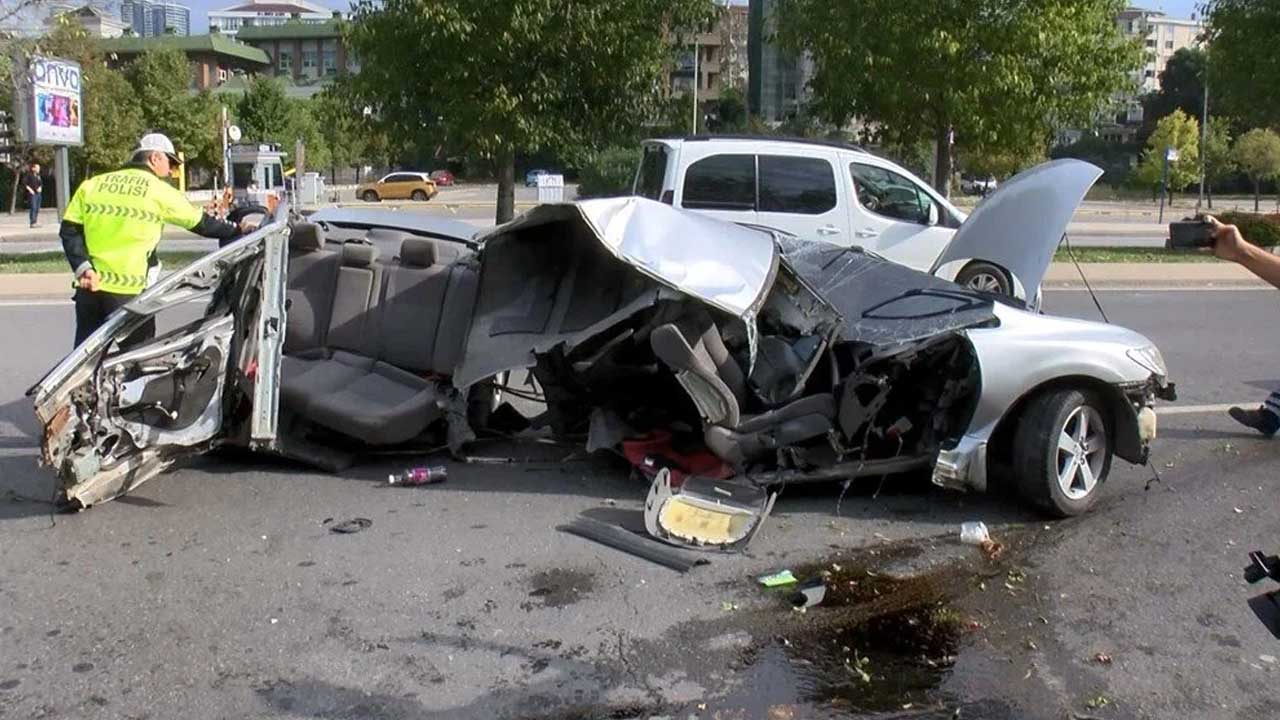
{"points": [[392, 335]]}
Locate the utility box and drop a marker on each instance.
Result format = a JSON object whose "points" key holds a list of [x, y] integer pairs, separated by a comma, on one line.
{"points": [[311, 189], [550, 188]]}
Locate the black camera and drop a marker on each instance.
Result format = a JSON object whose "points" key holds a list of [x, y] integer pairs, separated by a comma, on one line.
{"points": [[1190, 233]]}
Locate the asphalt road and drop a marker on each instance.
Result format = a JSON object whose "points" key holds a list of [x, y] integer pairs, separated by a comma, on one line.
{"points": [[217, 591]]}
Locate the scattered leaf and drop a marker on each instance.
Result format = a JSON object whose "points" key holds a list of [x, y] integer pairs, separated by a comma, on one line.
{"points": [[1102, 659]]}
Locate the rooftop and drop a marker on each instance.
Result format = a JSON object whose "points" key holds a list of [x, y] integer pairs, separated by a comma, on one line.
{"points": [[274, 7], [291, 30], [216, 44]]}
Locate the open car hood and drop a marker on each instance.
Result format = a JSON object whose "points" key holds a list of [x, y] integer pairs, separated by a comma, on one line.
{"points": [[1021, 224]]}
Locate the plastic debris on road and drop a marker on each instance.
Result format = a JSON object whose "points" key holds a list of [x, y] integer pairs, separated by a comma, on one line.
{"points": [[778, 579], [354, 525]]}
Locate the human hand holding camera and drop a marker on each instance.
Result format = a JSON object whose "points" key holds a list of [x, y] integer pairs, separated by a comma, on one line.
{"points": [[1228, 243]]}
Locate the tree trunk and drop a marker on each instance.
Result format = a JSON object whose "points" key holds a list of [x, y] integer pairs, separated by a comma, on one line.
{"points": [[1257, 194], [506, 185], [1208, 193], [942, 162]]}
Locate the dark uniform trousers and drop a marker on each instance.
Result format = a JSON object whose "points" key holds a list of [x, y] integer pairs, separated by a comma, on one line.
{"points": [[93, 309]]}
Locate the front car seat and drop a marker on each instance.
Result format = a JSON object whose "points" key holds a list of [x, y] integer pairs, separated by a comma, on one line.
{"points": [[695, 351]]}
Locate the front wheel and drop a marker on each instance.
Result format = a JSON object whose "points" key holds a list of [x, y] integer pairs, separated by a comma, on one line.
{"points": [[1062, 451], [369, 196], [985, 277]]}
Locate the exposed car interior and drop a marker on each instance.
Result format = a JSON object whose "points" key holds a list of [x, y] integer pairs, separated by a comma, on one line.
{"points": [[371, 341]]}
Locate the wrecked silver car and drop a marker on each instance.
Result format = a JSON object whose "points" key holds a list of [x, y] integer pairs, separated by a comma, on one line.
{"points": [[783, 362]]}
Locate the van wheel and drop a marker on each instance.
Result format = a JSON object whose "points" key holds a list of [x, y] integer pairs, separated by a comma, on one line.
{"points": [[369, 196], [418, 195], [985, 277], [1062, 451]]}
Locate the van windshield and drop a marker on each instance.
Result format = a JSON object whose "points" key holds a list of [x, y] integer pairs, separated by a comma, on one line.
{"points": [[653, 170]]}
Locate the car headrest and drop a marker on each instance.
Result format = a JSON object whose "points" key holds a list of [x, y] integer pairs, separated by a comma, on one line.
{"points": [[357, 254], [418, 252], [306, 237]]}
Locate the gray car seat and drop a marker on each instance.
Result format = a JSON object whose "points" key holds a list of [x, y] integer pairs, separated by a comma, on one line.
{"points": [[694, 350]]}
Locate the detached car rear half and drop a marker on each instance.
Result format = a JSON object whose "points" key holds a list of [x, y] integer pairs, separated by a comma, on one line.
{"points": [[786, 361]]}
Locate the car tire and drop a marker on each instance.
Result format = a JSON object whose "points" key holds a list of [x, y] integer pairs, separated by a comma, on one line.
{"points": [[419, 196], [369, 196], [985, 277], [1047, 451], [482, 399]]}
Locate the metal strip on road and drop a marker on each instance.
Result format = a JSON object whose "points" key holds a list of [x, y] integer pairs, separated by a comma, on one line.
{"points": [[1203, 409]]}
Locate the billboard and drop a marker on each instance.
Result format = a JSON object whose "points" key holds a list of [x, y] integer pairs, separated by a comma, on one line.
{"points": [[54, 105]]}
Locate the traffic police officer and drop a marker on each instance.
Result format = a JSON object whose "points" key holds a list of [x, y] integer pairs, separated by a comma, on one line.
{"points": [[112, 226]]}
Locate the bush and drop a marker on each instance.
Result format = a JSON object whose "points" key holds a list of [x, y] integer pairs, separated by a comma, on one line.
{"points": [[609, 173], [1261, 230]]}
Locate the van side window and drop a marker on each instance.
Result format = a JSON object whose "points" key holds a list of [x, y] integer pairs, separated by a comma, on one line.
{"points": [[885, 192], [800, 185], [721, 182]]}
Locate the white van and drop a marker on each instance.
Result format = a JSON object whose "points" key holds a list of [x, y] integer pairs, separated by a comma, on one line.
{"points": [[816, 190]]}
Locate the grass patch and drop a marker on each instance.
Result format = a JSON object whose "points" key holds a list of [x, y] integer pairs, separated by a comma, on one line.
{"points": [[56, 262], [1132, 255]]}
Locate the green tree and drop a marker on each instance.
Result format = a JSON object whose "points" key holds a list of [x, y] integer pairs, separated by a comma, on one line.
{"points": [[303, 125], [263, 112], [162, 80], [1219, 159], [1180, 132], [730, 112], [1181, 88], [1243, 36], [341, 124], [1257, 153], [991, 74], [516, 76]]}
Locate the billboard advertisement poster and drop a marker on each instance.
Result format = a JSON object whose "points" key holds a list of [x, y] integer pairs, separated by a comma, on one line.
{"points": [[56, 102]]}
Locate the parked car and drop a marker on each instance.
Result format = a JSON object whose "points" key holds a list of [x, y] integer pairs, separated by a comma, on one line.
{"points": [[443, 178], [819, 191], [399, 186], [789, 361], [531, 177], [981, 187]]}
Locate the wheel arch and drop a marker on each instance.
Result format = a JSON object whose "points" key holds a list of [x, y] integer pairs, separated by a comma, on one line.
{"points": [[1123, 419]]}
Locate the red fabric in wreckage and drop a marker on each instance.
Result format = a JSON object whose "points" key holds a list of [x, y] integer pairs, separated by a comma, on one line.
{"points": [[653, 451]]}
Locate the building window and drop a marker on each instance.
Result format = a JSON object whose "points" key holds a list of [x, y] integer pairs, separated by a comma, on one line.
{"points": [[1150, 73], [309, 60], [285, 61], [1151, 43], [1168, 44], [329, 62]]}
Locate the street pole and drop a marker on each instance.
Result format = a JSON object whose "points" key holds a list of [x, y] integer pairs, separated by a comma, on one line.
{"points": [[1164, 183], [62, 178], [696, 82], [226, 155], [1204, 139]]}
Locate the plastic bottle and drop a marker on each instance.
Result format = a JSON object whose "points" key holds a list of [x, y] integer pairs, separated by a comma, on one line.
{"points": [[419, 476]]}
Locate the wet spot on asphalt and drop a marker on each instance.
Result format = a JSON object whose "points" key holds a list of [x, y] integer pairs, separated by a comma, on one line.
{"points": [[9, 684], [560, 587], [53, 633], [306, 563], [82, 667]]}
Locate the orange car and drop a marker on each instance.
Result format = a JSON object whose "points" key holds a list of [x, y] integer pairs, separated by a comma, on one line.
{"points": [[398, 186]]}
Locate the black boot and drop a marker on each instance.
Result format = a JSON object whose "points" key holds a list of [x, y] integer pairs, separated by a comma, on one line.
{"points": [[1260, 419]]}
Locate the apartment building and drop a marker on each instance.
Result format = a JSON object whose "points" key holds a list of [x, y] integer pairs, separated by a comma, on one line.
{"points": [[214, 59], [151, 18], [96, 21]]}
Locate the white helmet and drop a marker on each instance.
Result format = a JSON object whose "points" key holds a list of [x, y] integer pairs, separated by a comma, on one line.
{"points": [[157, 142]]}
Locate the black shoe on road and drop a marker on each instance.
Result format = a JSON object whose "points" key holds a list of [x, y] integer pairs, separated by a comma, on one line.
{"points": [[1259, 419]]}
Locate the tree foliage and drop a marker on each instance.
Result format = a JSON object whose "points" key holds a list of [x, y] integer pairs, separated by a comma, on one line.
{"points": [[1219, 160], [1243, 37], [507, 76], [161, 80], [1257, 153], [999, 73], [1181, 132], [263, 112], [1181, 88]]}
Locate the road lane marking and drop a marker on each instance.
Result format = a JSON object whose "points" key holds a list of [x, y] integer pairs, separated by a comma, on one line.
{"points": [[1203, 409], [1161, 288], [17, 452], [34, 303]]}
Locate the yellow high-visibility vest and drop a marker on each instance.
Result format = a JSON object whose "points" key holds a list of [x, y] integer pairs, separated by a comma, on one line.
{"points": [[123, 214]]}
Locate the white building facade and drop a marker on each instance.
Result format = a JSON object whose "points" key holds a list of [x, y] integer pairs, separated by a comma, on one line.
{"points": [[229, 20]]}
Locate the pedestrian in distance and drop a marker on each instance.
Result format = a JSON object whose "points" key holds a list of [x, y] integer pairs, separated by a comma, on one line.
{"points": [[34, 187], [111, 229], [1229, 244]]}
